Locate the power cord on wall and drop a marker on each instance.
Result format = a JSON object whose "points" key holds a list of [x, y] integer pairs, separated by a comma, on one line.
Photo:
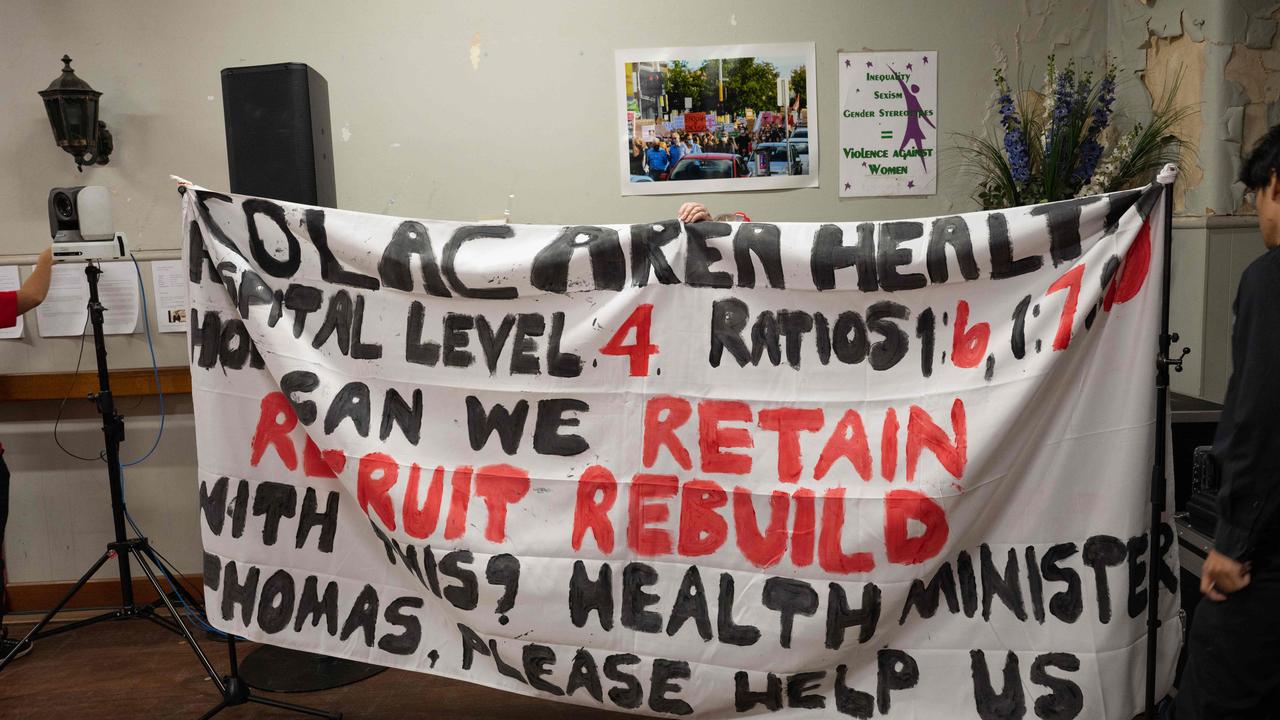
{"points": [[155, 367], [62, 406]]}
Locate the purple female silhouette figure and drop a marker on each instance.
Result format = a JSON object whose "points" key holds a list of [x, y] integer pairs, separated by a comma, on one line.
{"points": [[915, 113]]}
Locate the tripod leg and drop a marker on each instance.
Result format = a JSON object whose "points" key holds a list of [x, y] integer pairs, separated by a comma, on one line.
{"points": [[58, 608], [231, 655], [238, 692], [178, 586], [153, 616], [295, 708], [216, 709], [182, 626], [149, 610], [68, 627]]}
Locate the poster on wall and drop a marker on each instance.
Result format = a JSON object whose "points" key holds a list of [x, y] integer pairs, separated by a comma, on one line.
{"points": [[888, 123], [169, 281], [891, 469], [677, 93]]}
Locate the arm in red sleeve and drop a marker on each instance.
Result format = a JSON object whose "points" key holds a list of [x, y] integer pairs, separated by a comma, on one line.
{"points": [[8, 308]]}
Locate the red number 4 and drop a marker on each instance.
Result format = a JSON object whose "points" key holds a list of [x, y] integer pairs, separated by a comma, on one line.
{"points": [[639, 351]]}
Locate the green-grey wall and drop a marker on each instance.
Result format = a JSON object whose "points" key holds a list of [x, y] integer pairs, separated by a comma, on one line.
{"points": [[419, 131]]}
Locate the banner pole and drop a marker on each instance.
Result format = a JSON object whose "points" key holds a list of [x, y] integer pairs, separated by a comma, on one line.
{"points": [[1158, 481]]}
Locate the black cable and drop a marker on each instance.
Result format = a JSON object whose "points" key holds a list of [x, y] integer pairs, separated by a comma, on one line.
{"points": [[195, 597], [195, 609], [137, 403], [162, 560], [61, 407]]}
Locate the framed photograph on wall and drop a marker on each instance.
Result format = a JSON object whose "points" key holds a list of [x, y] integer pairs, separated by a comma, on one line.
{"points": [[717, 118]]}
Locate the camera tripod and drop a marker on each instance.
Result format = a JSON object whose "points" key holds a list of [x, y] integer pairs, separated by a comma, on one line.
{"points": [[124, 549]]}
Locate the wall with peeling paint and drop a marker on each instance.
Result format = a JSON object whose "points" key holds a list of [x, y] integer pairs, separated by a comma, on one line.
{"points": [[442, 110], [1225, 52], [1230, 64]]}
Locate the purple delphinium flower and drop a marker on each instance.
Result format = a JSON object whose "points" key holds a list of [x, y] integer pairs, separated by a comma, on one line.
{"points": [[1063, 91], [1015, 146], [1015, 143], [1091, 149], [1083, 86]]}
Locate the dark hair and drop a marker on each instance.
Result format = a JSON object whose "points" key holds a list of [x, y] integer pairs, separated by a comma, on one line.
{"points": [[1263, 162]]}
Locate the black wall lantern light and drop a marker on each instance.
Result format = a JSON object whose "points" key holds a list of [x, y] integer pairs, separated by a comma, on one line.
{"points": [[73, 113]]}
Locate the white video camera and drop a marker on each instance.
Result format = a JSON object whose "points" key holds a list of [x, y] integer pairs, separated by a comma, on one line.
{"points": [[80, 223]]}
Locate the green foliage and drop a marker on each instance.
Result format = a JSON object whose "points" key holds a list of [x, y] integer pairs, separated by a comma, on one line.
{"points": [[1152, 145], [749, 84], [799, 86], [985, 161], [680, 82], [1050, 145]]}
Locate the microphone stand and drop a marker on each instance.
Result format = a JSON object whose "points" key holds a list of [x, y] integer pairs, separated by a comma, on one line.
{"points": [[124, 549]]}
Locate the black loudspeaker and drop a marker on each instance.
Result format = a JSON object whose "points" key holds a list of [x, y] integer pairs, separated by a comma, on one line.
{"points": [[279, 144]]}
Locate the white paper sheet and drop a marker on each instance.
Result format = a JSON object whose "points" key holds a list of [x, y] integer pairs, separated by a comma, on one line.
{"points": [[64, 311], [9, 281], [169, 280]]}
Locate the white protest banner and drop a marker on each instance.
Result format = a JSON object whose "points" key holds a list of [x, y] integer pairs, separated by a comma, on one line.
{"points": [[889, 469]]}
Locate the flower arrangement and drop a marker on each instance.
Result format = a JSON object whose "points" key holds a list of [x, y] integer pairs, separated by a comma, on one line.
{"points": [[1054, 144]]}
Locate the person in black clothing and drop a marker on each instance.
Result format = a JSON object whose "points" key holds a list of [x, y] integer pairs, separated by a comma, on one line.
{"points": [[1233, 664], [637, 158]]}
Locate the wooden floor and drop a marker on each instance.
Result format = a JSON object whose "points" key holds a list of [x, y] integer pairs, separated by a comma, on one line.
{"points": [[135, 669]]}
